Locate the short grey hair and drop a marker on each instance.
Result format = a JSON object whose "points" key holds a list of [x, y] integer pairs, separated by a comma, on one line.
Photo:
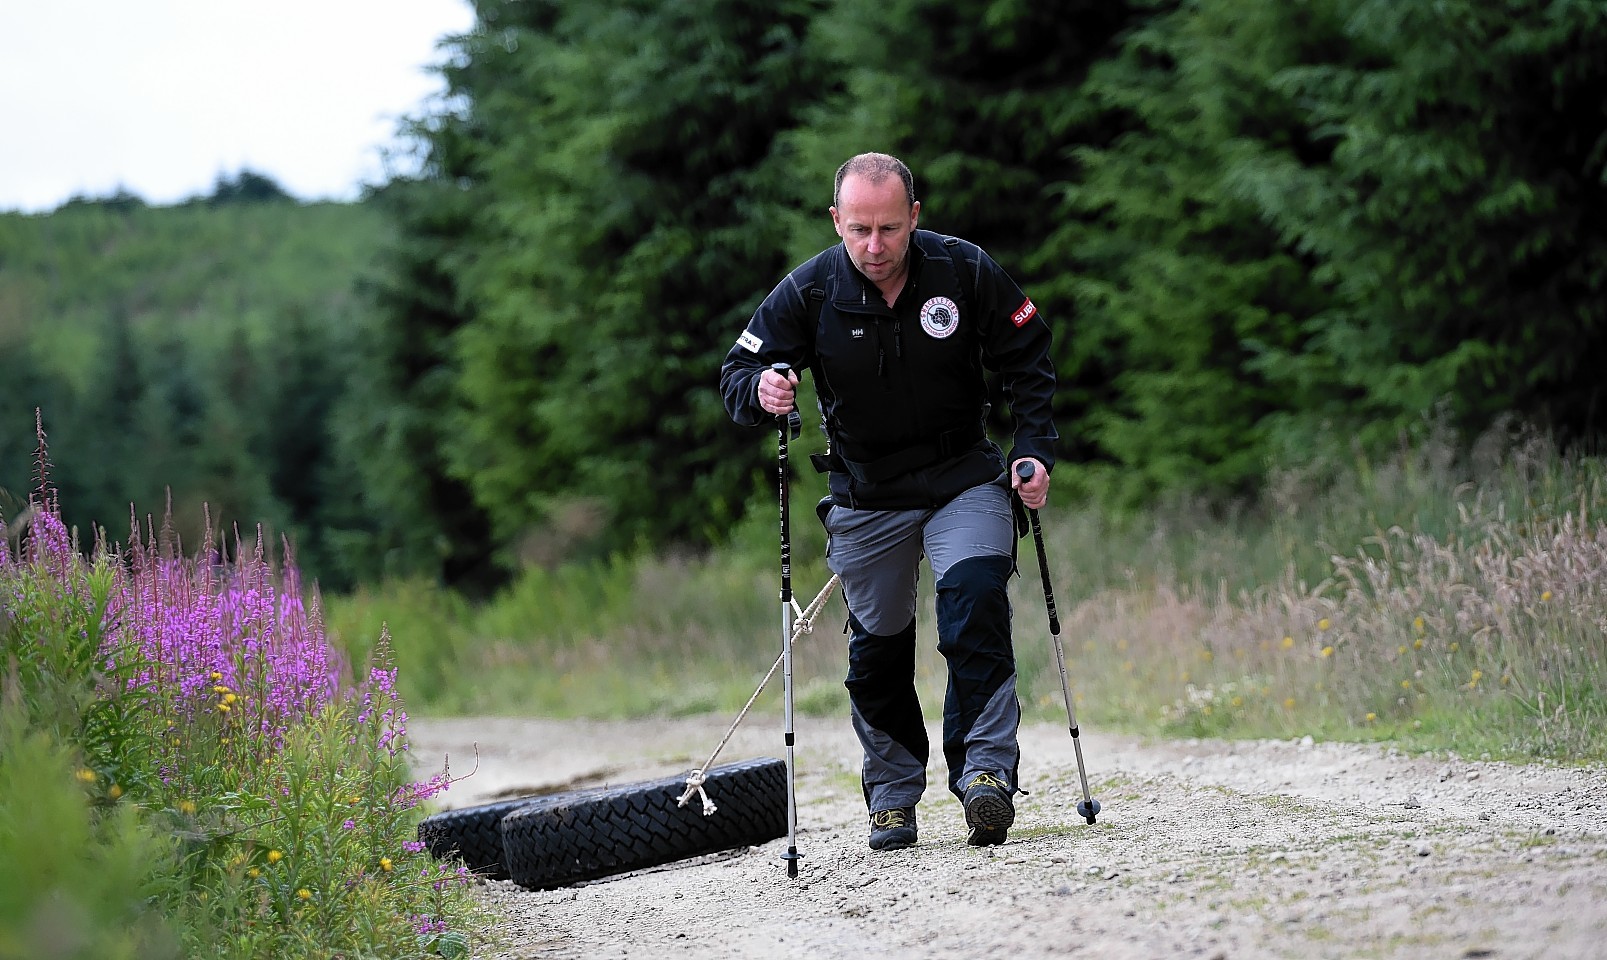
{"points": [[874, 167]]}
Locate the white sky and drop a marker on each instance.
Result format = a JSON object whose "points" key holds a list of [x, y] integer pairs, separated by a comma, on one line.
{"points": [[163, 96]]}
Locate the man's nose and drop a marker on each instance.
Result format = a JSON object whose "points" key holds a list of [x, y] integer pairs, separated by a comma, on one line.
{"points": [[874, 244]]}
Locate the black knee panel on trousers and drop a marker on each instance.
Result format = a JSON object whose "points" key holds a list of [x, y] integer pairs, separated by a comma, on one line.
{"points": [[973, 628], [881, 685]]}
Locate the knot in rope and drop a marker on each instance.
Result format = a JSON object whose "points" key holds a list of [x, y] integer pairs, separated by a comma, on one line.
{"points": [[694, 787]]}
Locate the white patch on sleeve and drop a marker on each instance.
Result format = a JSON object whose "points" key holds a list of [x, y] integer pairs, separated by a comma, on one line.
{"points": [[750, 342]]}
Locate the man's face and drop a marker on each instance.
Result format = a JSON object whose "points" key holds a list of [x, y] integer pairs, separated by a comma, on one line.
{"points": [[875, 221]]}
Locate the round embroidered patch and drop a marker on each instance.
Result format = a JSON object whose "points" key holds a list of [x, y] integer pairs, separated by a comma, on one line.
{"points": [[940, 317]]}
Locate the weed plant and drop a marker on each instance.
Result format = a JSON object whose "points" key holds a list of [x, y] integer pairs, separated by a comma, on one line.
{"points": [[187, 769], [1440, 599]]}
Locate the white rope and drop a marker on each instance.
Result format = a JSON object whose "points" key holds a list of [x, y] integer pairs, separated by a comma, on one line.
{"points": [[802, 625]]}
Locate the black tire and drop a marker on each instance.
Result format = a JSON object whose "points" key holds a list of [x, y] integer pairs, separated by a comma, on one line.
{"points": [[565, 839], [471, 834]]}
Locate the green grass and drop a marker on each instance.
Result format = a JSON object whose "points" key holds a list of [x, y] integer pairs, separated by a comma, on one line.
{"points": [[1434, 601]]}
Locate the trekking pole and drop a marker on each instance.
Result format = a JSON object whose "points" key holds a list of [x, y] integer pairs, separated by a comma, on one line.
{"points": [[1088, 809], [788, 426]]}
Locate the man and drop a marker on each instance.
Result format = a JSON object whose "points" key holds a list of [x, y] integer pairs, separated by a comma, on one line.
{"points": [[897, 325]]}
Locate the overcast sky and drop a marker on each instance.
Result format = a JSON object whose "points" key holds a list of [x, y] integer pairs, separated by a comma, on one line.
{"points": [[162, 96]]}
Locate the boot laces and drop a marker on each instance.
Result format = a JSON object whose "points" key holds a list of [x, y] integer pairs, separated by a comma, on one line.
{"points": [[888, 818]]}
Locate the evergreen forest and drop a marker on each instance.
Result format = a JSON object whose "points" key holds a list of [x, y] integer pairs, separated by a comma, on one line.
{"points": [[1268, 236]]}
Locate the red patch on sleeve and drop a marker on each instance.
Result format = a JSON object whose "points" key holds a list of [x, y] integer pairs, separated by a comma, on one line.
{"points": [[1023, 313]]}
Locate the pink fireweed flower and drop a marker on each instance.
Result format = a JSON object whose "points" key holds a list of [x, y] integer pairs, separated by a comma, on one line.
{"points": [[245, 631]]}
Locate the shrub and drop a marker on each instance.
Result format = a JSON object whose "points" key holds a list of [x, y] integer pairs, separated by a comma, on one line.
{"points": [[208, 777]]}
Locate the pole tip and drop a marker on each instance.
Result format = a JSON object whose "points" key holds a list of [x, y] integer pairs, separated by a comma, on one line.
{"points": [[1088, 810]]}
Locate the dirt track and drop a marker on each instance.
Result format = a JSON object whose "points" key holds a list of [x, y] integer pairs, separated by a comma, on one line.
{"points": [[1203, 849]]}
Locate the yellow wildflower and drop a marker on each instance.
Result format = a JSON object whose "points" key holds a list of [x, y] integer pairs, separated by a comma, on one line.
{"points": [[187, 806], [1327, 651], [304, 893], [86, 776], [1455, 646], [1371, 717], [1417, 624], [1401, 649], [1477, 676], [1289, 704], [1322, 624], [229, 698], [1288, 642], [223, 708], [385, 864], [216, 675], [275, 856], [1545, 596], [1406, 684], [115, 791], [1417, 644], [253, 873]]}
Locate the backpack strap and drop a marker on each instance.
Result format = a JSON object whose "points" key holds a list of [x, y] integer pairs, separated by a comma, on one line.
{"points": [[815, 302], [967, 294]]}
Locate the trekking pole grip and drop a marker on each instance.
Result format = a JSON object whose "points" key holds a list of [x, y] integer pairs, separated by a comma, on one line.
{"points": [[1026, 471], [794, 421]]}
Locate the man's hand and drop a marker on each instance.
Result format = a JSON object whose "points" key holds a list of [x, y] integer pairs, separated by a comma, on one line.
{"points": [[776, 392], [1034, 493]]}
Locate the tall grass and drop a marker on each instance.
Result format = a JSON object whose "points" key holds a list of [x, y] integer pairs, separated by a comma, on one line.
{"points": [[187, 768], [1442, 600]]}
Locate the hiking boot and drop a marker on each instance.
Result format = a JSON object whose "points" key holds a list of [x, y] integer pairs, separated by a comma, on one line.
{"points": [[892, 829], [988, 810]]}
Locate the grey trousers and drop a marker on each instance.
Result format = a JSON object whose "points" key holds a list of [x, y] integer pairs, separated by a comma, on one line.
{"points": [[970, 544]]}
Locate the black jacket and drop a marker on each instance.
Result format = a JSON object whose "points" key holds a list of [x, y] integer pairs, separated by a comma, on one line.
{"points": [[903, 389]]}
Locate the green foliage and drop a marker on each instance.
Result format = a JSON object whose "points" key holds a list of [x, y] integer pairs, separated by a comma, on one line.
{"points": [[616, 176], [1180, 288], [1459, 217], [247, 187], [198, 353], [81, 883], [634, 636], [182, 774], [1441, 601]]}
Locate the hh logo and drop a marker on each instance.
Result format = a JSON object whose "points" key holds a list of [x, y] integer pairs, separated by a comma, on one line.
{"points": [[1024, 313], [857, 332]]}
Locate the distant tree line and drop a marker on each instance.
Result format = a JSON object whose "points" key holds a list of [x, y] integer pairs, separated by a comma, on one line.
{"points": [[246, 186], [197, 356]]}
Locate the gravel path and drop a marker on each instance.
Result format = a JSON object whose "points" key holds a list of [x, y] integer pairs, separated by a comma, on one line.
{"points": [[1211, 849]]}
